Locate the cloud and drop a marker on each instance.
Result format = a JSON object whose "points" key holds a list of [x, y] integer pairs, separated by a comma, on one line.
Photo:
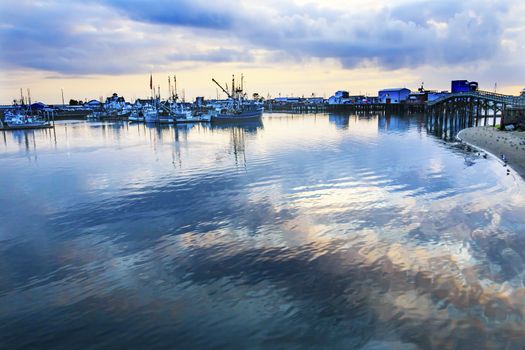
{"points": [[215, 55], [190, 13], [119, 37]]}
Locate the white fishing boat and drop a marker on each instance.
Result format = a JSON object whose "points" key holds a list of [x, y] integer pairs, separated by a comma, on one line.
{"points": [[19, 120], [196, 117], [151, 114], [136, 116]]}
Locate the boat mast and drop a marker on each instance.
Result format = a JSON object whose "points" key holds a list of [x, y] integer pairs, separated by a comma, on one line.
{"points": [[233, 85], [169, 88], [175, 96], [151, 86]]}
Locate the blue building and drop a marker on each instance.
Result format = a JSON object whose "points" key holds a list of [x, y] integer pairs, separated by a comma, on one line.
{"points": [[463, 86], [393, 96]]}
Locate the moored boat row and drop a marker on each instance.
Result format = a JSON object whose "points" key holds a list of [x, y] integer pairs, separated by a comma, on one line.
{"points": [[236, 108], [18, 119]]}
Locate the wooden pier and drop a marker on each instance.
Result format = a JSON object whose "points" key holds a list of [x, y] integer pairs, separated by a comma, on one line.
{"points": [[467, 109], [351, 107]]}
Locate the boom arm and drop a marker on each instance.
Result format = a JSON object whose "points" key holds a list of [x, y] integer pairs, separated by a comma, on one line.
{"points": [[223, 89]]}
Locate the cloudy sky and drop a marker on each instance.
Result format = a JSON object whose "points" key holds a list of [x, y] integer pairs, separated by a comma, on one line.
{"points": [[92, 48]]}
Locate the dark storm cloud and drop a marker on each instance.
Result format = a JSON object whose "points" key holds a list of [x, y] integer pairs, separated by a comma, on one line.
{"points": [[94, 36], [179, 13]]}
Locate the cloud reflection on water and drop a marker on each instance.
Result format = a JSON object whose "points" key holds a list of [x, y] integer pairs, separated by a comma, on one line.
{"points": [[321, 237]]}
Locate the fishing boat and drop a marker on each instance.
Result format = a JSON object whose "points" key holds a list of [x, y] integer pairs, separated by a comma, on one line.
{"points": [[183, 114], [19, 120], [195, 118], [239, 113], [237, 108], [135, 116], [151, 114], [198, 118], [166, 119]]}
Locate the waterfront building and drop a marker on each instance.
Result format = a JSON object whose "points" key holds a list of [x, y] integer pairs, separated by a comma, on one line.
{"points": [[315, 100], [394, 95], [93, 104], [287, 100], [463, 86], [340, 97], [115, 102]]}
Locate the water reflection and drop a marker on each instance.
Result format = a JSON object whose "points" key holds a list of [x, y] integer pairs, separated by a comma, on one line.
{"points": [[341, 231], [340, 120], [447, 126]]}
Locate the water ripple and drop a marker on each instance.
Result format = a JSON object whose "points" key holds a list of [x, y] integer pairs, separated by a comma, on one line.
{"points": [[340, 231]]}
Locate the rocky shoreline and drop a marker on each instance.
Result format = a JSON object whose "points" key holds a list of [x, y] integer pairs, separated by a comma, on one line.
{"points": [[506, 145]]}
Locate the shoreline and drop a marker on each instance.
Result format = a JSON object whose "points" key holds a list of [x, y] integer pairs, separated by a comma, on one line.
{"points": [[497, 142]]}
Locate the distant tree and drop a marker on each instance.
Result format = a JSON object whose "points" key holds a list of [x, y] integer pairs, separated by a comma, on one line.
{"points": [[73, 102]]}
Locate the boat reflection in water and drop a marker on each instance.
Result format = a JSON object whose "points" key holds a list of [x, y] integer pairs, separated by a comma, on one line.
{"points": [[297, 232], [238, 132]]}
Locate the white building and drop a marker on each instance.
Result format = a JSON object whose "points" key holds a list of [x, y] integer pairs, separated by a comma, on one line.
{"points": [[393, 96]]}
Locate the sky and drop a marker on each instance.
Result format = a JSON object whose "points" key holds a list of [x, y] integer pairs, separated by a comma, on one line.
{"points": [[92, 48]]}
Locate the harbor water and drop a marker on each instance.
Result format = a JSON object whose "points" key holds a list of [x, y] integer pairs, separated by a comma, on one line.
{"points": [[302, 231]]}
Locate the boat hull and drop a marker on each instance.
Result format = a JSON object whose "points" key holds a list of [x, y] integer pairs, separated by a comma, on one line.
{"points": [[245, 116], [151, 119], [115, 116], [15, 126], [193, 120]]}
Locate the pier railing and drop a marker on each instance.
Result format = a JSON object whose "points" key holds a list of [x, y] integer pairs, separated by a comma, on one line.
{"points": [[517, 101]]}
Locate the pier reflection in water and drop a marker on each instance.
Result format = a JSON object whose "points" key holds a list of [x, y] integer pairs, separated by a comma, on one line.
{"points": [[446, 126], [345, 231]]}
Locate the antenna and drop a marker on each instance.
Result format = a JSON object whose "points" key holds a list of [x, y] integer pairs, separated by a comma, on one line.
{"points": [[21, 97], [62, 97]]}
